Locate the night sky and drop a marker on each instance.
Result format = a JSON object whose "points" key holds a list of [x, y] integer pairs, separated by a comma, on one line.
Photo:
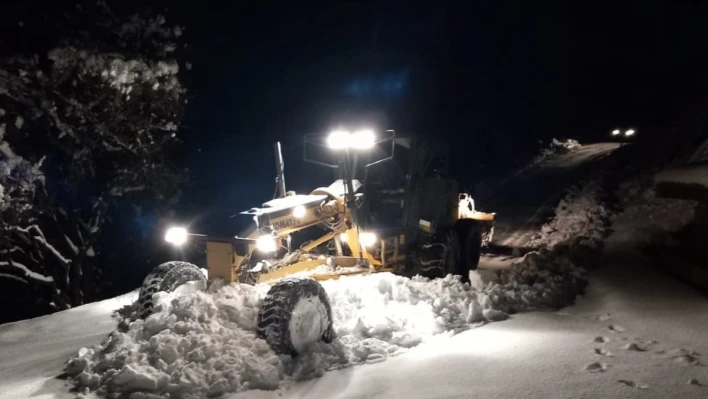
{"points": [[490, 79]]}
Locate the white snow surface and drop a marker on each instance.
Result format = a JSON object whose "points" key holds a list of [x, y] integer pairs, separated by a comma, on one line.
{"points": [[33, 352], [200, 344], [544, 355], [571, 353]]}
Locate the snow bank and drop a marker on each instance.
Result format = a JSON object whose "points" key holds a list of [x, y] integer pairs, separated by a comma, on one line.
{"points": [[568, 245], [544, 279], [564, 145], [556, 147], [201, 344], [693, 173], [581, 217], [645, 217]]}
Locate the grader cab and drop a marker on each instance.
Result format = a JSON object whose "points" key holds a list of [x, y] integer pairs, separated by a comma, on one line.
{"points": [[398, 212]]}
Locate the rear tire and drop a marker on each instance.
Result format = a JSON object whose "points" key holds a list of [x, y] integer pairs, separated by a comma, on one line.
{"points": [[165, 278], [440, 255], [452, 253], [470, 235], [295, 313]]}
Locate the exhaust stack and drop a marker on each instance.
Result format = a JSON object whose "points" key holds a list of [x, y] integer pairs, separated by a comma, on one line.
{"points": [[280, 169]]}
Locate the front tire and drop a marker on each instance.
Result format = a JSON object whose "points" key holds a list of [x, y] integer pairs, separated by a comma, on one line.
{"points": [[294, 314], [165, 278]]}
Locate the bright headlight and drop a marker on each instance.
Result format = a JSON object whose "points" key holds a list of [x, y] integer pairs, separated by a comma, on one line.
{"points": [[367, 239], [176, 235], [362, 139], [629, 132], [338, 139], [266, 244], [615, 132], [359, 140]]}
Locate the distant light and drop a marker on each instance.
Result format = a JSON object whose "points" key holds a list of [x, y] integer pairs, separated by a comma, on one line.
{"points": [[338, 140], [176, 235], [616, 132], [629, 132], [363, 139], [266, 244], [299, 211]]}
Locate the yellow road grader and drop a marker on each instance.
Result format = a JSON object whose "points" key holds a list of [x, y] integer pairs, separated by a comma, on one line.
{"points": [[405, 216]]}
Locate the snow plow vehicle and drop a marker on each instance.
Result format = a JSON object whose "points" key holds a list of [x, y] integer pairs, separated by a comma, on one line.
{"points": [[405, 216]]}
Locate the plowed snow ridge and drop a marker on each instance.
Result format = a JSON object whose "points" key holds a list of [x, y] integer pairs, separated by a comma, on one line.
{"points": [[201, 344]]}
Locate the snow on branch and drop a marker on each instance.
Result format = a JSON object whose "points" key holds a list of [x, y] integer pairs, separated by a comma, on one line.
{"points": [[71, 244], [27, 272], [13, 277], [40, 238]]}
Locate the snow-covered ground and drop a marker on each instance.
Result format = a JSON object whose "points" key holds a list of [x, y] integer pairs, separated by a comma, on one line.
{"points": [[635, 333], [580, 351], [33, 352]]}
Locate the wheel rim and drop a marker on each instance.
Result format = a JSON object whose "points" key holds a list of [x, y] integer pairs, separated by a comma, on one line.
{"points": [[308, 322]]}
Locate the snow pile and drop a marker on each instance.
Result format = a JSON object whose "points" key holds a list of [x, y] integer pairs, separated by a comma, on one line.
{"points": [[202, 344], [556, 273], [564, 145], [581, 217], [543, 279], [556, 147]]}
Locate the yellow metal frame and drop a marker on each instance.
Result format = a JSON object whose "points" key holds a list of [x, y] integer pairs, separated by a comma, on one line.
{"points": [[358, 251], [290, 269], [223, 262], [316, 243], [220, 258], [312, 264]]}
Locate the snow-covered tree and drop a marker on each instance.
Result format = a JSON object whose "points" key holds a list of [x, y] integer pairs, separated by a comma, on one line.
{"points": [[86, 126]]}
